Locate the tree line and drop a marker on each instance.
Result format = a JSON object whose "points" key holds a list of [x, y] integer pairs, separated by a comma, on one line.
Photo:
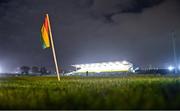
{"points": [[34, 70]]}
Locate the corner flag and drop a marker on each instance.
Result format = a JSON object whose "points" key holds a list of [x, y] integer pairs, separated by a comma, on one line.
{"points": [[45, 34], [47, 40]]}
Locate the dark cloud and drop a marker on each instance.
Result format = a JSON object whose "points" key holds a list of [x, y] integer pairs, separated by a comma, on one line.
{"points": [[4, 1], [3, 6], [109, 8], [137, 6], [84, 3]]}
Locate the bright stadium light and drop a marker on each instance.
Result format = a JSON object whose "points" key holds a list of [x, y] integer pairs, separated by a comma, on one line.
{"points": [[170, 68], [117, 63], [124, 62]]}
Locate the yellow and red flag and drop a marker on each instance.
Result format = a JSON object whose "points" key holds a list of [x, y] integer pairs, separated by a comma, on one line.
{"points": [[45, 34]]}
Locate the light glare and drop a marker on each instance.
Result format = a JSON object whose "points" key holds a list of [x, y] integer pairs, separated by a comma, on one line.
{"points": [[170, 68]]}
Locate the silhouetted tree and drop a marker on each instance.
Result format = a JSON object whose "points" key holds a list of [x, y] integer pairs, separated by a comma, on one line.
{"points": [[43, 70], [35, 69], [24, 69]]}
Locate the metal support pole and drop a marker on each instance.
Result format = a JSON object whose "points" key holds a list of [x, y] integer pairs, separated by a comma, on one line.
{"points": [[174, 51]]}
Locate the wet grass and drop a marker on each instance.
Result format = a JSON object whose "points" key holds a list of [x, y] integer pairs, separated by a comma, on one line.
{"points": [[132, 92]]}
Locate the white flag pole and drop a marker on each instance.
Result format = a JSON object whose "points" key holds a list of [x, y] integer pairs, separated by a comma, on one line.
{"points": [[53, 49]]}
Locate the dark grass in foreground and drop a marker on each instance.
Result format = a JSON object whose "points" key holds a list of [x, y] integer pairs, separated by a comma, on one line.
{"points": [[90, 93]]}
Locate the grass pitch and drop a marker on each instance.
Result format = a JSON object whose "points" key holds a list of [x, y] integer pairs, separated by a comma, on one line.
{"points": [[131, 92]]}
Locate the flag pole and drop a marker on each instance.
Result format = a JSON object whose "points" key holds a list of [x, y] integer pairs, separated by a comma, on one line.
{"points": [[53, 49]]}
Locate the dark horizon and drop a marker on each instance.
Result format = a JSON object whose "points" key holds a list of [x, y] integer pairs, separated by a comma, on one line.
{"points": [[89, 31]]}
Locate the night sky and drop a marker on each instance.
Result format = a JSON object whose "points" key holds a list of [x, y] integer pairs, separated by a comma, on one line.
{"points": [[88, 31]]}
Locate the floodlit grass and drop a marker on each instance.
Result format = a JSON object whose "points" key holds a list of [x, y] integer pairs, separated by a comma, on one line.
{"points": [[133, 92]]}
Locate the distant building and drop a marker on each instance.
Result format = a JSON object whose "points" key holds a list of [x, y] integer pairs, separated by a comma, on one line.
{"points": [[104, 67]]}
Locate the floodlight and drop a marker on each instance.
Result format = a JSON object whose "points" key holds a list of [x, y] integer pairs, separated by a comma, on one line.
{"points": [[124, 62], [170, 68], [92, 65], [118, 63]]}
